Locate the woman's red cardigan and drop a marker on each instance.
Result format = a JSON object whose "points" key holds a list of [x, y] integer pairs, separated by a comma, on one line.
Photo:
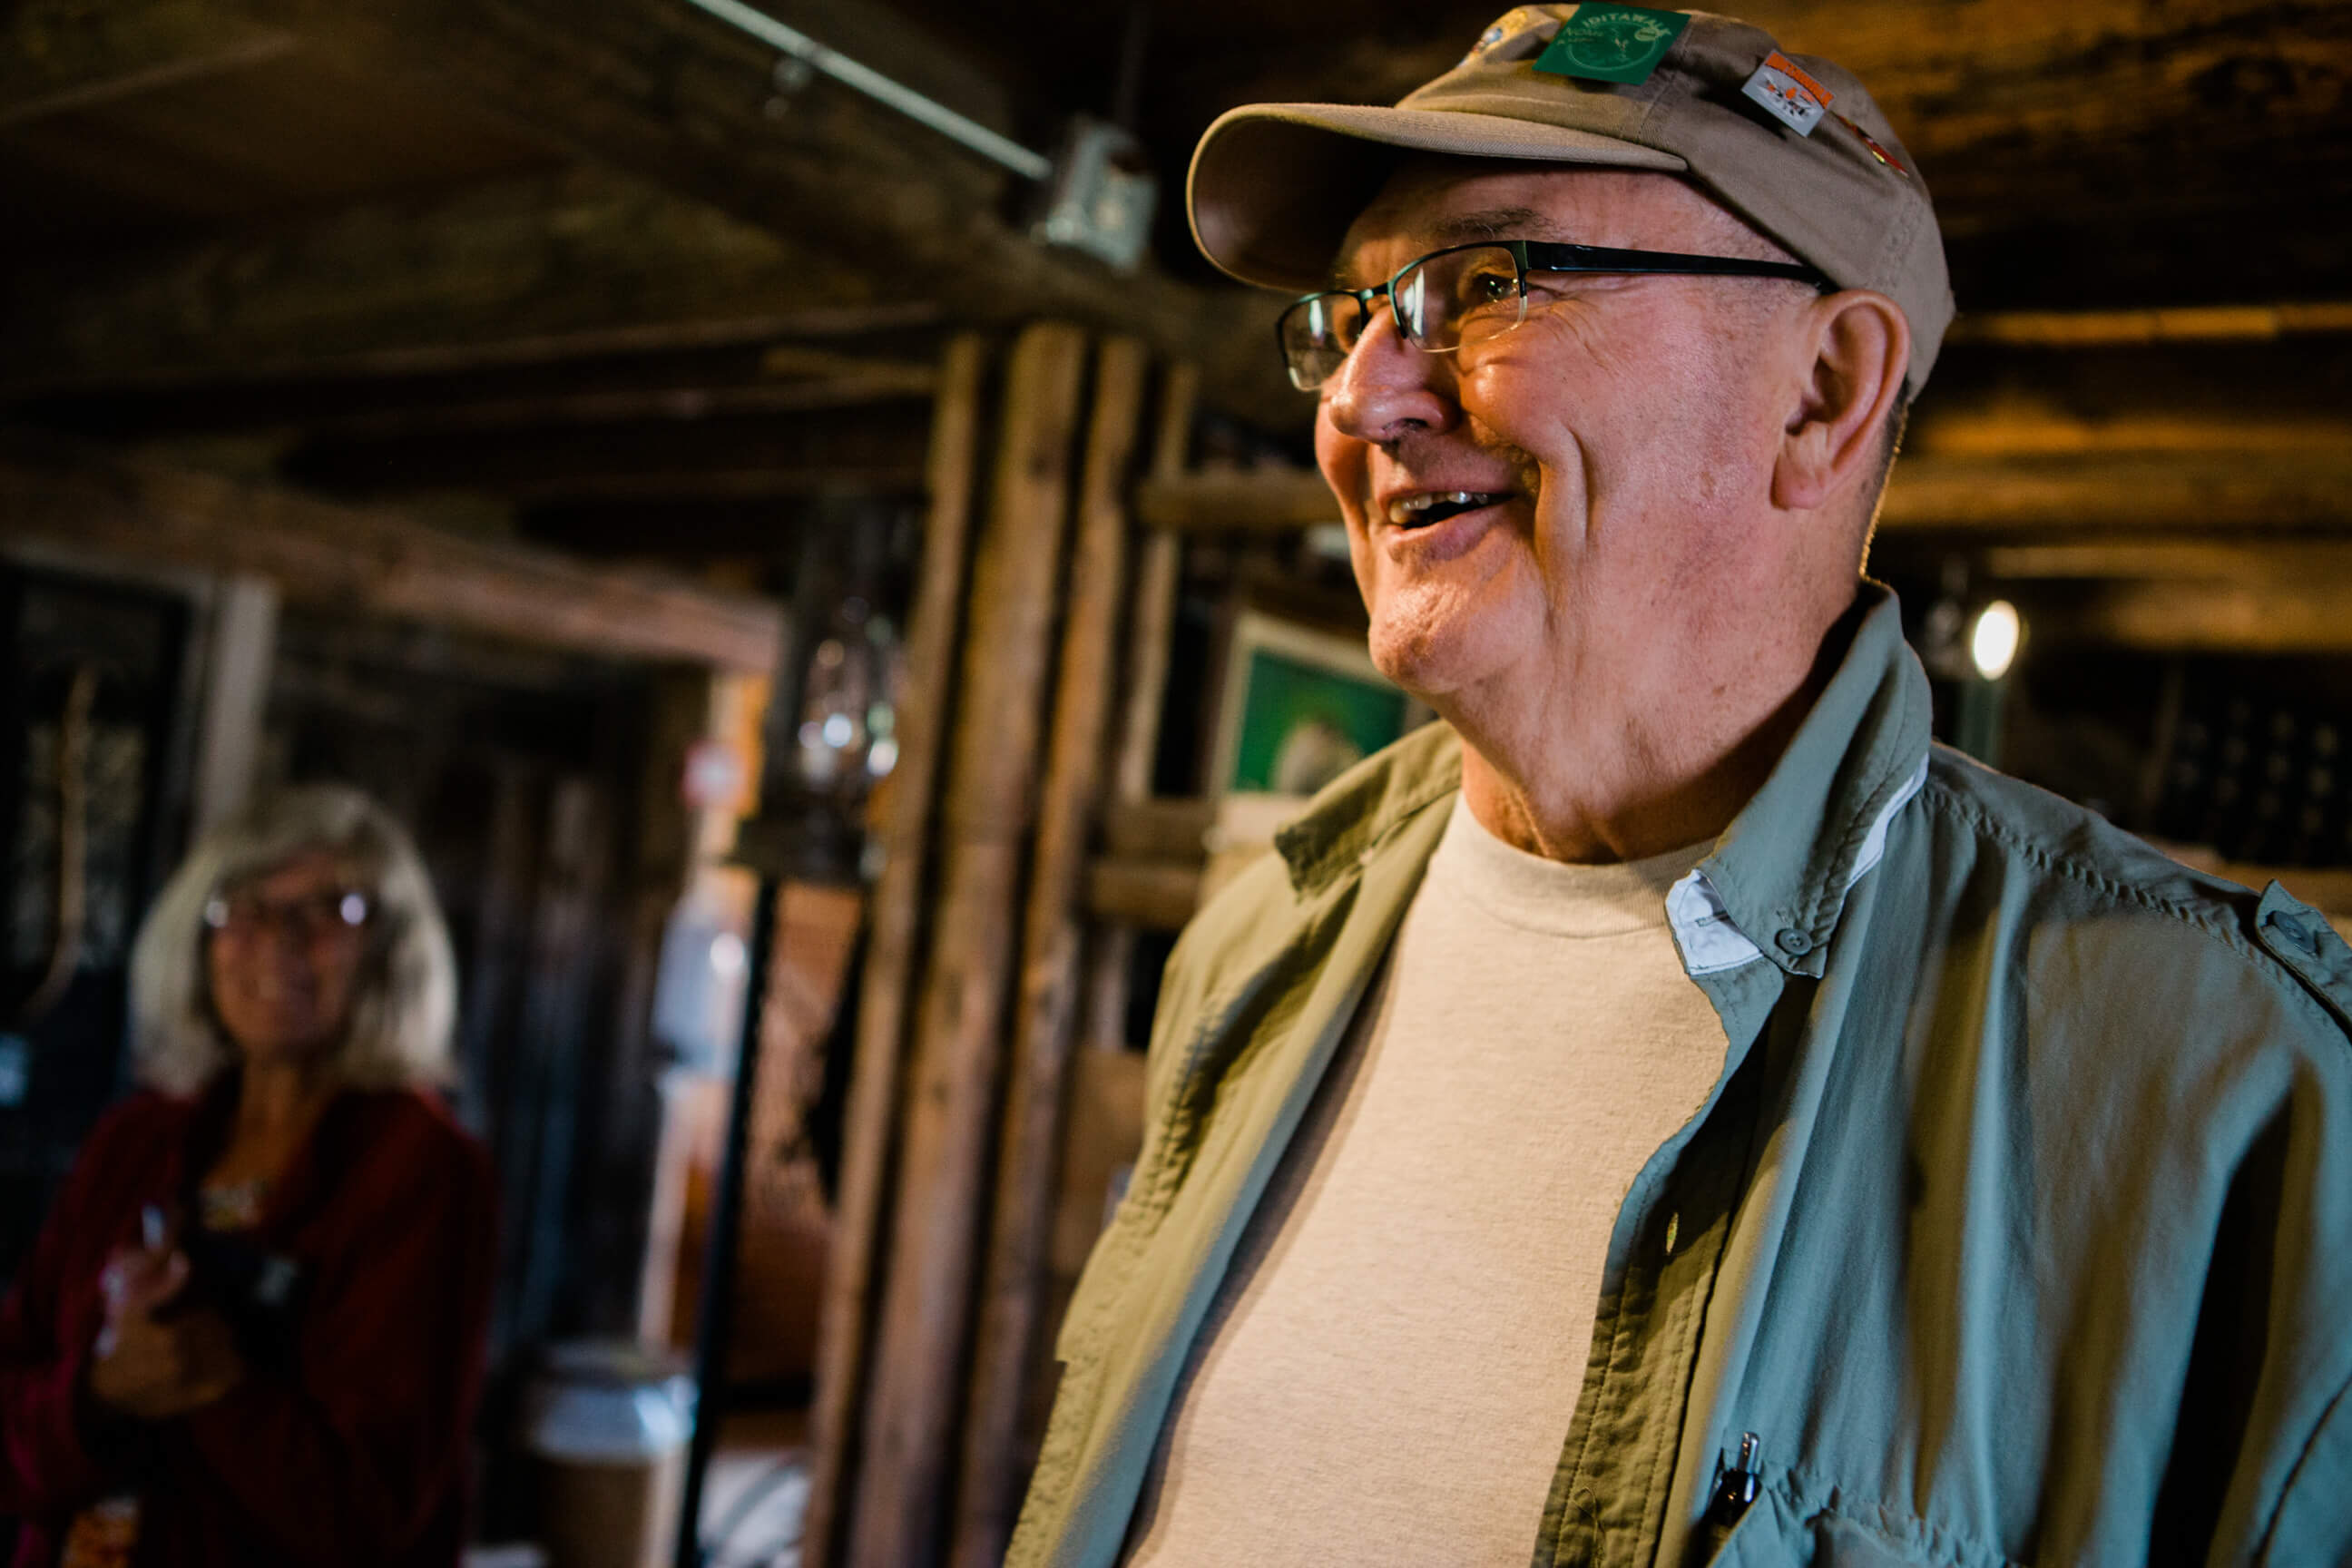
{"points": [[352, 1450]]}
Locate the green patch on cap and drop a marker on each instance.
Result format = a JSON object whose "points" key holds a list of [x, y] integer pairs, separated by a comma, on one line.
{"points": [[1612, 43]]}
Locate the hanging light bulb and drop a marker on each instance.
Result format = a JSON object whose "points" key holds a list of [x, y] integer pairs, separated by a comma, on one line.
{"points": [[1994, 638]]}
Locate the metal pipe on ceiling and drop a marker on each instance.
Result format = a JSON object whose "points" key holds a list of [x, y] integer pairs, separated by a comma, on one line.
{"points": [[958, 128]]}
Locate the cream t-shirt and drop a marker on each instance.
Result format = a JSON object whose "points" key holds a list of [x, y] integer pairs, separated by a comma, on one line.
{"points": [[1388, 1369]]}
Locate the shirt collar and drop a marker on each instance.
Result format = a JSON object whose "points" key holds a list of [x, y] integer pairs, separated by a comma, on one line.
{"points": [[1777, 878], [1781, 872]]}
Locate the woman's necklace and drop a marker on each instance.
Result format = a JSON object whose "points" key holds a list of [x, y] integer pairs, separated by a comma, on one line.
{"points": [[231, 1205]]}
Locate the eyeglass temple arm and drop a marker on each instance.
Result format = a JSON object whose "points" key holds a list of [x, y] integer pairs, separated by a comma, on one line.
{"points": [[1540, 255]]}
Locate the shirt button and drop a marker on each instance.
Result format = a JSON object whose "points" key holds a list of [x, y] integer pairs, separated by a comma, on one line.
{"points": [[1793, 943], [2293, 931]]}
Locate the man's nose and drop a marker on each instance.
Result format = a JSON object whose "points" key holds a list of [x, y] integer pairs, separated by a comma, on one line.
{"points": [[1386, 387]]}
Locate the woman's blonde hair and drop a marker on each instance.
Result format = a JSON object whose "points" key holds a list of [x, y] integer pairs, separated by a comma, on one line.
{"points": [[405, 1006]]}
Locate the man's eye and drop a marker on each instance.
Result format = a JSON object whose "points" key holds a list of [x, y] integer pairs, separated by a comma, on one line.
{"points": [[1489, 288]]}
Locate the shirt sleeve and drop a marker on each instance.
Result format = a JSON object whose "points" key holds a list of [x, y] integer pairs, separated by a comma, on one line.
{"points": [[49, 1466], [358, 1450]]}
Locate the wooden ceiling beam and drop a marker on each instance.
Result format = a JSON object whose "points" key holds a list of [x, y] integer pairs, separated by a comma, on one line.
{"points": [[724, 371], [2179, 492], [668, 454], [61, 55], [2186, 324], [532, 272], [878, 383], [2292, 562], [1249, 501], [2174, 617], [683, 526], [647, 493], [371, 561], [658, 89], [776, 340]]}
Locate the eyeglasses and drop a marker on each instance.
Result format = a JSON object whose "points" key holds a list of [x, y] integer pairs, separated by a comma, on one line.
{"points": [[1469, 293], [310, 919]]}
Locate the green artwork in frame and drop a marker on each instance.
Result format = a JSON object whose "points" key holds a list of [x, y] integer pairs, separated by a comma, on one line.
{"points": [[1301, 706]]}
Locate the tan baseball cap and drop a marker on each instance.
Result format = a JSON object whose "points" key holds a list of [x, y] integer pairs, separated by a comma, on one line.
{"points": [[1274, 186]]}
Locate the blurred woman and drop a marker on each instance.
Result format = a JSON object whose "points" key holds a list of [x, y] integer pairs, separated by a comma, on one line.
{"points": [[251, 1330]]}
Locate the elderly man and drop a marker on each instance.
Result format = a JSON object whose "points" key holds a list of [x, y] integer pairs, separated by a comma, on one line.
{"points": [[1670, 1111]]}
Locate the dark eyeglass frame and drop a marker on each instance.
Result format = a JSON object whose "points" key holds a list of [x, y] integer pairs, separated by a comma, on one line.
{"points": [[1538, 256]]}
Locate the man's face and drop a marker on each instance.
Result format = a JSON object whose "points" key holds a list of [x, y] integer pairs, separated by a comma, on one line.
{"points": [[1619, 444]]}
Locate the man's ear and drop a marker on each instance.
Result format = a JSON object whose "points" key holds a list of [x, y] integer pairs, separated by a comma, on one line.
{"points": [[1861, 348]]}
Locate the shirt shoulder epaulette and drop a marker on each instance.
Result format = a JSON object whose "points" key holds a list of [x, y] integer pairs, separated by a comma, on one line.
{"points": [[2301, 938]]}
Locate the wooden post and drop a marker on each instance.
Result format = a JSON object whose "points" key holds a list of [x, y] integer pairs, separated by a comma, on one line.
{"points": [[891, 954], [1011, 1301], [1151, 625], [238, 648], [960, 1029]]}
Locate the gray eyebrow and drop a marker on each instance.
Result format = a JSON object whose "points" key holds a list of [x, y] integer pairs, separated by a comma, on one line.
{"points": [[1495, 223]]}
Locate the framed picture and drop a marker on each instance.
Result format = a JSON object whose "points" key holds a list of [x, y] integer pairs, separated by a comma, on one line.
{"points": [[1300, 706]]}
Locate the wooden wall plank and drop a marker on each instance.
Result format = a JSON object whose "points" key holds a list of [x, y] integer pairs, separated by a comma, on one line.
{"points": [[892, 956], [1152, 630], [1044, 1017], [960, 1025]]}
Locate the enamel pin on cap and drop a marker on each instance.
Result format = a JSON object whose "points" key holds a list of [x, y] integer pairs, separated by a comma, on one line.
{"points": [[1611, 43], [1881, 154], [1787, 94]]}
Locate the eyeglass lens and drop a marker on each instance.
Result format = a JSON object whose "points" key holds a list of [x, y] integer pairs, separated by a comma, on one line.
{"points": [[308, 919], [1441, 301]]}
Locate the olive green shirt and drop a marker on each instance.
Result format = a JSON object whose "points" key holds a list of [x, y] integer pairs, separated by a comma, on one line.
{"points": [[2017, 1226]]}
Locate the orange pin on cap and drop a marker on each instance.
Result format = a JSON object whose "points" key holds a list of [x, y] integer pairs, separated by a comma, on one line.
{"points": [[1787, 94]]}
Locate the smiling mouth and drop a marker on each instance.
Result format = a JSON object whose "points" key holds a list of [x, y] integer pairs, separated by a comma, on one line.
{"points": [[1422, 510]]}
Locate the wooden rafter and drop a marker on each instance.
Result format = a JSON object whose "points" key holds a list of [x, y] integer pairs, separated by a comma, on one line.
{"points": [[371, 561], [656, 89], [518, 273], [58, 56]]}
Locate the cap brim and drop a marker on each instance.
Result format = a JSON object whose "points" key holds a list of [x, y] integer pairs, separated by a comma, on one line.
{"points": [[1274, 186]]}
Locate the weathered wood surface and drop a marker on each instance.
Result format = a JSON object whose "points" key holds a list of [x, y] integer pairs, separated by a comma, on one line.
{"points": [[1151, 895], [881, 383], [959, 1048], [725, 452], [1237, 500], [1159, 574], [567, 264], [371, 561], [1169, 828], [2110, 153], [2251, 493], [2183, 324], [683, 100], [2218, 617], [893, 960], [1012, 1302], [1152, 629], [60, 56], [2286, 561]]}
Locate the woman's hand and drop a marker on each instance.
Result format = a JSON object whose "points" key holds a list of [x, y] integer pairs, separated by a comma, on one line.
{"points": [[150, 1366]]}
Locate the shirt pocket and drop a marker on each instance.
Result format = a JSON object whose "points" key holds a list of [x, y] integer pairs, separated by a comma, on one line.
{"points": [[1776, 1533]]}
